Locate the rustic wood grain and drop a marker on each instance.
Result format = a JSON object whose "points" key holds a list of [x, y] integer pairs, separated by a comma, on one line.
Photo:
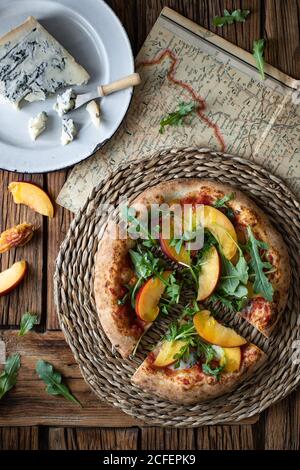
{"points": [[13, 438], [282, 32], [93, 439], [225, 438], [167, 439], [56, 233], [28, 296], [282, 26], [29, 393]]}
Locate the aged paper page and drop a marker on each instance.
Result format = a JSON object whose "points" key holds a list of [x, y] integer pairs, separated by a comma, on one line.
{"points": [[237, 112]]}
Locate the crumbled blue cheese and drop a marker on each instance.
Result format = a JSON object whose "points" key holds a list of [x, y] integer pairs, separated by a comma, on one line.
{"points": [[68, 131], [65, 102], [33, 64], [37, 125], [94, 111]]}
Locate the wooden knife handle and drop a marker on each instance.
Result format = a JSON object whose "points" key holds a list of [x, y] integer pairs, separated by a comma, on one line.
{"points": [[125, 82]]}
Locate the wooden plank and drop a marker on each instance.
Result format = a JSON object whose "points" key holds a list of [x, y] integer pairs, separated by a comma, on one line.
{"points": [[241, 34], [13, 438], [225, 438], [167, 439], [282, 421], [57, 231], [28, 296], [29, 404], [126, 13], [93, 439], [282, 31], [282, 424]]}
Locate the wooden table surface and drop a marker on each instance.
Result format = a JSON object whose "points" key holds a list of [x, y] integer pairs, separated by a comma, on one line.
{"points": [[31, 419]]}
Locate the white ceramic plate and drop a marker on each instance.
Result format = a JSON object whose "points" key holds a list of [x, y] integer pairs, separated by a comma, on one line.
{"points": [[92, 33]]}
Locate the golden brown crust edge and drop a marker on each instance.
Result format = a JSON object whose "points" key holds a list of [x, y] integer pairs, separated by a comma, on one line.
{"points": [[251, 214], [176, 388], [111, 253]]}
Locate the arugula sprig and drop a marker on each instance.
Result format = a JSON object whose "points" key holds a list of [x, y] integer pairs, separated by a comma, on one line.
{"points": [[28, 321], [258, 54], [8, 377], [186, 331], [176, 118], [222, 204], [190, 309], [129, 215], [146, 265], [237, 16], [261, 284], [53, 380]]}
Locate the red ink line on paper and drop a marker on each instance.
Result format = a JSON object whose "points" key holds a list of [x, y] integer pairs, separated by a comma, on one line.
{"points": [[201, 101]]}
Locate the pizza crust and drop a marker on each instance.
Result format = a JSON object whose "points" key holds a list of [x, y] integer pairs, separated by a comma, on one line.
{"points": [[112, 261], [190, 386]]}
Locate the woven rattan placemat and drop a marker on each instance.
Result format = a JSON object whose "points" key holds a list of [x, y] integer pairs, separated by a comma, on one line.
{"points": [[104, 370]]}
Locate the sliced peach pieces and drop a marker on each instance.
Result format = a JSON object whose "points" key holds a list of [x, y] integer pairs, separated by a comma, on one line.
{"points": [[32, 196], [219, 225], [12, 277], [168, 352], [232, 359], [182, 257], [209, 274], [148, 297], [214, 333], [222, 229]]}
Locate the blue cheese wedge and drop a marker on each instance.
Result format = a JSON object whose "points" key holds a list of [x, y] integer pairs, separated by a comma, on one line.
{"points": [[68, 131], [65, 102], [33, 64], [37, 125]]}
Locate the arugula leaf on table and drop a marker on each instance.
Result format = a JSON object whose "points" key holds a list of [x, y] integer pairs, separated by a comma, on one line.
{"points": [[176, 118], [28, 321], [229, 18], [8, 377], [261, 284], [53, 381], [258, 54]]}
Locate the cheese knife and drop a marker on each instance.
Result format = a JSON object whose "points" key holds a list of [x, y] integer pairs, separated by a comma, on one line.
{"points": [[104, 90]]}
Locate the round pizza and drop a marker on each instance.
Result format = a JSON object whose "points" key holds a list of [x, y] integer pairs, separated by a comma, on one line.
{"points": [[210, 241]]}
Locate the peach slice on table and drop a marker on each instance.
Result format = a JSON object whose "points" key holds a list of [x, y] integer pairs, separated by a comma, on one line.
{"points": [[148, 297], [214, 332], [209, 274], [12, 277], [167, 353], [232, 359], [32, 196]]}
